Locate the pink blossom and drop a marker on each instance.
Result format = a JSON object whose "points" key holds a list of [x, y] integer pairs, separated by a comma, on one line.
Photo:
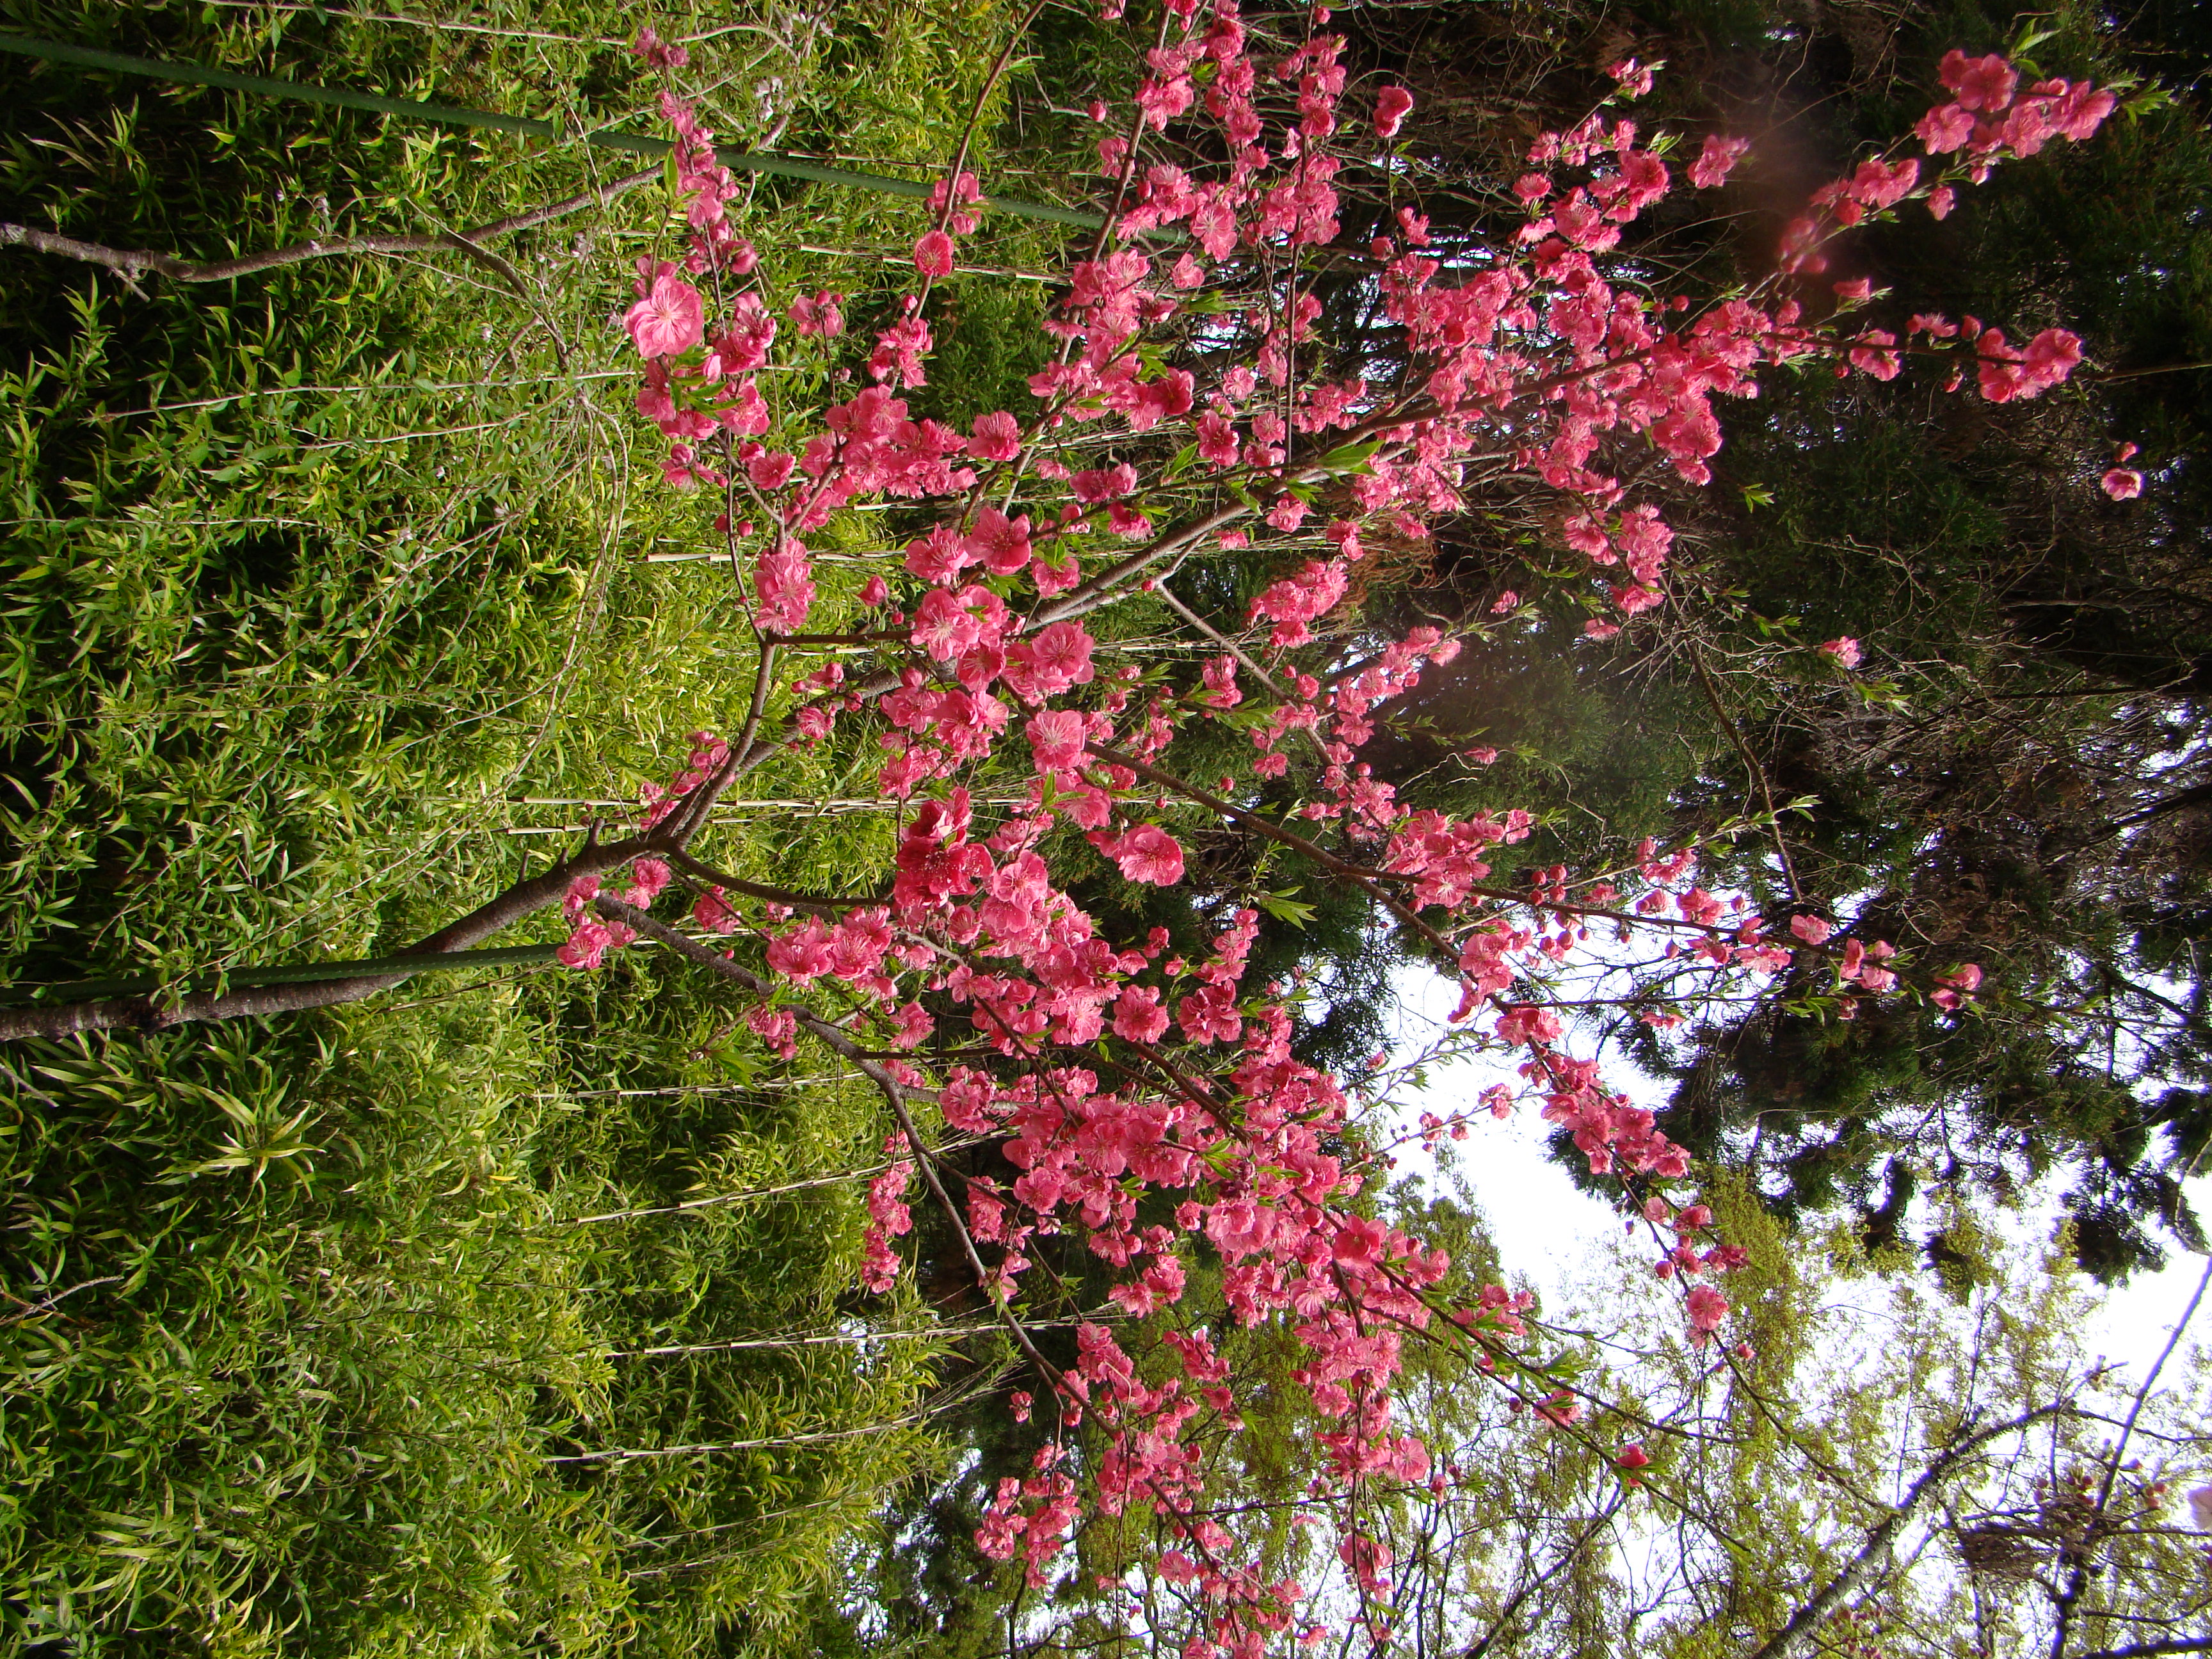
{"points": [[1636, 80], [1104, 484], [2081, 109], [1155, 401], [819, 315], [1873, 353], [1000, 545], [1634, 599], [1138, 1016], [1216, 440], [1708, 1307], [586, 946], [783, 588], [1057, 739], [1717, 160], [1057, 659], [1148, 853], [1297, 600], [658, 53], [647, 878], [770, 470], [1392, 106], [669, 320], [578, 901], [1943, 130], [742, 345], [1161, 99], [2122, 483], [1844, 651], [713, 912], [1219, 675], [998, 437], [1239, 1227], [2051, 356], [1957, 986], [1983, 83], [933, 254]]}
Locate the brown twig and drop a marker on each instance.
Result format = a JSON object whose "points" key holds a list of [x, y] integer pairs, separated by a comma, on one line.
{"points": [[1751, 764], [133, 263], [153, 1013]]}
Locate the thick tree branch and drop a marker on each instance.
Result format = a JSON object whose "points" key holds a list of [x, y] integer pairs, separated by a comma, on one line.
{"points": [[153, 1012]]}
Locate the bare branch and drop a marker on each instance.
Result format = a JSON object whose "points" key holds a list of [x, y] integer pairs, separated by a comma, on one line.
{"points": [[1796, 1637], [137, 262], [153, 1012], [2077, 1580]]}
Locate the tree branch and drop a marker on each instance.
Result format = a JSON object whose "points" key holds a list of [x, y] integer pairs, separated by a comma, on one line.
{"points": [[1796, 1638], [137, 262], [1751, 764], [152, 1012], [813, 903], [2077, 1580]]}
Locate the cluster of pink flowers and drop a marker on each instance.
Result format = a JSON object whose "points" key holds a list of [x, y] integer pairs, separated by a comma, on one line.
{"points": [[1991, 118], [1123, 1073], [887, 1219]]}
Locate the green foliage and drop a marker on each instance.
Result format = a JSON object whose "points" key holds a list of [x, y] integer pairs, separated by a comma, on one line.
{"points": [[329, 608], [332, 1401]]}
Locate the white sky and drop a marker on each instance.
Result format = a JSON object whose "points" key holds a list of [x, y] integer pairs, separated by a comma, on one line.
{"points": [[1544, 1227]]}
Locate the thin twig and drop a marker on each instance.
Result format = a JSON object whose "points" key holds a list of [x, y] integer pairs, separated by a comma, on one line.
{"points": [[45, 1304], [137, 262], [1751, 765]]}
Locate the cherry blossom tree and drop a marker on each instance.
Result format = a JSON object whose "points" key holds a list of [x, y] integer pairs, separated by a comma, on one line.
{"points": [[1155, 1107]]}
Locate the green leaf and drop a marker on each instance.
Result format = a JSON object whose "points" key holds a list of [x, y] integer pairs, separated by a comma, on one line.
{"points": [[1350, 458]]}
